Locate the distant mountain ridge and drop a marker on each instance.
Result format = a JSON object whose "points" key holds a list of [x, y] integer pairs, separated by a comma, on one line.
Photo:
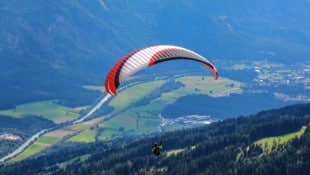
{"points": [[49, 49]]}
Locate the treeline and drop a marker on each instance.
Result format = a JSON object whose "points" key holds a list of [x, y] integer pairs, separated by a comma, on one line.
{"points": [[224, 147], [72, 94], [223, 107], [23, 127]]}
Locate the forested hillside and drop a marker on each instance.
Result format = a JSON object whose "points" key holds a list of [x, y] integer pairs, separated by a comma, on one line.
{"points": [[14, 131], [225, 147]]}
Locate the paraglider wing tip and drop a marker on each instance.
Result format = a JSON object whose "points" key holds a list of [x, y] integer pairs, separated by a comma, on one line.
{"points": [[111, 93], [216, 75], [213, 70]]}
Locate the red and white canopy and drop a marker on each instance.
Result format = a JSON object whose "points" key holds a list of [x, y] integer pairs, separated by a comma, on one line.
{"points": [[146, 57]]}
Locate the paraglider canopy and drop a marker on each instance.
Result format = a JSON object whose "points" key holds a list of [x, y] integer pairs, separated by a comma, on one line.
{"points": [[146, 57]]}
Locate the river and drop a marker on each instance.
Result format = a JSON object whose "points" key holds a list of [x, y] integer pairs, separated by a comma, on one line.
{"points": [[38, 134], [24, 145]]}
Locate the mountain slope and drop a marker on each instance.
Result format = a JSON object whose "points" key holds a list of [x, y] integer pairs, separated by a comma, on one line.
{"points": [[50, 49], [225, 147]]}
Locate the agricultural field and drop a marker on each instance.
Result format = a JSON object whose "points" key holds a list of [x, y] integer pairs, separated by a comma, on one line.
{"points": [[46, 109], [202, 85], [84, 132], [60, 133], [86, 136], [41, 144], [30, 151], [134, 93], [48, 140]]}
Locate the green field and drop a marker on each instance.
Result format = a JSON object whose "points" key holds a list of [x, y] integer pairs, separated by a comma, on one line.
{"points": [[124, 98], [86, 136], [47, 109], [30, 151], [267, 143], [201, 85], [41, 144], [48, 140], [76, 127]]}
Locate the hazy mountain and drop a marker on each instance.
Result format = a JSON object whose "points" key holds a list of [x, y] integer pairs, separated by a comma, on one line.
{"points": [[49, 49]]}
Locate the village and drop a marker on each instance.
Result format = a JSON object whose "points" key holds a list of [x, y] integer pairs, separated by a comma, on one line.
{"points": [[190, 120], [277, 74]]}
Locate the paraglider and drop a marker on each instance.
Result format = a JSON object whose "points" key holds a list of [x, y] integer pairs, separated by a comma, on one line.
{"points": [[146, 57], [156, 148]]}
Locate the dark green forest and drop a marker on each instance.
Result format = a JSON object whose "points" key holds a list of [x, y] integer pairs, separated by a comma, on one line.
{"points": [[23, 127], [224, 147]]}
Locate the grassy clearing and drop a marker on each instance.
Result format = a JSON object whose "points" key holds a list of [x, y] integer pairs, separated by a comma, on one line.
{"points": [[269, 142], [85, 136], [174, 152], [134, 93], [177, 151], [47, 109]]}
